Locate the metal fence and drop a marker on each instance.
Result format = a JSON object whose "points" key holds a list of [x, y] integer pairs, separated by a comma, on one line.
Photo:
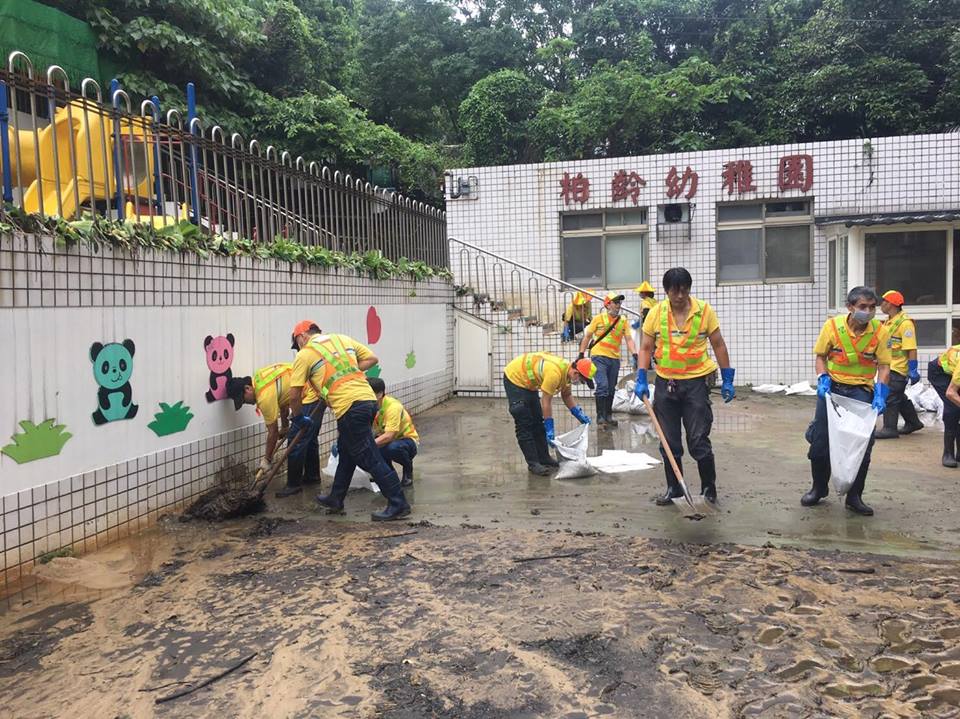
{"points": [[74, 152]]}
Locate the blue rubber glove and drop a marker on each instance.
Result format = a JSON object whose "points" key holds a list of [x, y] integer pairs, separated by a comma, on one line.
{"points": [[548, 427], [642, 389], [300, 422], [567, 334], [824, 383], [335, 449], [635, 324], [880, 394], [726, 386], [579, 414], [912, 372]]}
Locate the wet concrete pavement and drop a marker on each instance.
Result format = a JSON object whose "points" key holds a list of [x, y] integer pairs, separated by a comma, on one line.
{"points": [[470, 471]]}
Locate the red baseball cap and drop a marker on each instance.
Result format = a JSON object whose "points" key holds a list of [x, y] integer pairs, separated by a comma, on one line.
{"points": [[894, 298], [301, 327]]}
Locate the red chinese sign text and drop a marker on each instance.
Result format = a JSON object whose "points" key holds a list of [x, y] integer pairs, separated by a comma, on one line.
{"points": [[677, 183], [574, 189], [624, 185], [795, 172], [738, 177]]}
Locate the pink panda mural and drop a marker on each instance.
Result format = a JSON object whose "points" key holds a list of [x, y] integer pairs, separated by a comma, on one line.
{"points": [[219, 351]]}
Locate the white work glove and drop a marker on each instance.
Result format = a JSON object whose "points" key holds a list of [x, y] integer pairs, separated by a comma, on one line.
{"points": [[265, 465]]}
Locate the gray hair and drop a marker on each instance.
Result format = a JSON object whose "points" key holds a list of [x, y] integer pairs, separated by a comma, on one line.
{"points": [[861, 293]]}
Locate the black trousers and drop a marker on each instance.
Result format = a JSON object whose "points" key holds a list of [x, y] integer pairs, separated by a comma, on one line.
{"points": [[898, 404], [527, 421], [941, 381], [687, 406], [358, 449]]}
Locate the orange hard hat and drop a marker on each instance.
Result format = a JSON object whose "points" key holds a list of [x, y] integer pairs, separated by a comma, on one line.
{"points": [[301, 327], [894, 298], [587, 370]]}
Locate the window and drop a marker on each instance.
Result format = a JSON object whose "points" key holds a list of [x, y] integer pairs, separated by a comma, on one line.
{"points": [[764, 241], [904, 261], [837, 272], [604, 249]]}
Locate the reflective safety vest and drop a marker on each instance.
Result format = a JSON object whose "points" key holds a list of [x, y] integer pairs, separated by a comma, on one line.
{"points": [[892, 328], [533, 365], [271, 373], [849, 360], [339, 364], [406, 422], [680, 357], [948, 359], [614, 337]]}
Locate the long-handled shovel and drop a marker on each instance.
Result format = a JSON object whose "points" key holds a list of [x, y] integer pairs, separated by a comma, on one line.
{"points": [[700, 506]]}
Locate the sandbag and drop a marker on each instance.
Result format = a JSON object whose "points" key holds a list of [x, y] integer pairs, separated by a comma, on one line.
{"points": [[361, 479], [850, 424], [572, 451], [924, 398], [625, 401]]}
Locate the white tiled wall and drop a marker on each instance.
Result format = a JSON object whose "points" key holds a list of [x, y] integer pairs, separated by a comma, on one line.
{"points": [[770, 328]]}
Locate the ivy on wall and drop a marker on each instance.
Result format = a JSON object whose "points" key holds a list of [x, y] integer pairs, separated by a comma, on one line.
{"points": [[188, 238]]}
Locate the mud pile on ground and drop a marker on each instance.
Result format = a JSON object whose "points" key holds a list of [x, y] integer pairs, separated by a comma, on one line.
{"points": [[351, 620]]}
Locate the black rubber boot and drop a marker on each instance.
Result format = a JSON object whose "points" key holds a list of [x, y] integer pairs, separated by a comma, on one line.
{"points": [[949, 452], [333, 504], [820, 471], [288, 491], [887, 433], [601, 413], [407, 479], [608, 406], [397, 508], [543, 450], [909, 414], [708, 479], [854, 496], [890, 417], [673, 486]]}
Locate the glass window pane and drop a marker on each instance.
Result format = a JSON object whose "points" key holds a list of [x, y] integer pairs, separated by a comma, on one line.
{"points": [[956, 267], [738, 255], [931, 333], [619, 218], [955, 332], [739, 213], [788, 252], [832, 274], [788, 208], [625, 259], [582, 257], [911, 262], [582, 222]]}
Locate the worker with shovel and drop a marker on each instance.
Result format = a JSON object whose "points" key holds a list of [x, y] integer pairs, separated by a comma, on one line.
{"points": [[333, 366], [530, 382], [269, 390], [602, 338], [851, 350], [676, 333], [902, 340]]}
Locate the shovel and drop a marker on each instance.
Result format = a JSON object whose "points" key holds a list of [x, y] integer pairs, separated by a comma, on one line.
{"points": [[699, 506]]}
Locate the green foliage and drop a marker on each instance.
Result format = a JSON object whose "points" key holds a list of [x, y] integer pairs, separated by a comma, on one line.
{"points": [[188, 238], [170, 419], [55, 554], [36, 441], [496, 115]]}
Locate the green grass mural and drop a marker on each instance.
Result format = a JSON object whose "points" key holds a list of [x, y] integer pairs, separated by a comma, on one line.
{"points": [[170, 419], [37, 441]]}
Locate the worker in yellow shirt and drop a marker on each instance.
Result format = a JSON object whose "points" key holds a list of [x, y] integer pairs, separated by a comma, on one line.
{"points": [[393, 430], [602, 338], [676, 333], [530, 382], [577, 316], [647, 301], [902, 340], [269, 390], [851, 350], [330, 368], [944, 374]]}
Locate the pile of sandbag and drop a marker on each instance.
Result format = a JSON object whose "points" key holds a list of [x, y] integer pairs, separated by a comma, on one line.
{"points": [[572, 451]]}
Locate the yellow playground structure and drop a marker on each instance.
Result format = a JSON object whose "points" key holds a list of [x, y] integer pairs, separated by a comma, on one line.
{"points": [[77, 155]]}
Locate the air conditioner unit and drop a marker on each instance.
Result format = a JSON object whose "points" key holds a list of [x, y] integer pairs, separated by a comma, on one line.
{"points": [[673, 213]]}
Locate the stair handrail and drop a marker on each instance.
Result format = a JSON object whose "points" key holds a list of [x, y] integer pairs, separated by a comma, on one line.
{"points": [[520, 265]]}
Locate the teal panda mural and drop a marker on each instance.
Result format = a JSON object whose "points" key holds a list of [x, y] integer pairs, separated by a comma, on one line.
{"points": [[112, 368]]}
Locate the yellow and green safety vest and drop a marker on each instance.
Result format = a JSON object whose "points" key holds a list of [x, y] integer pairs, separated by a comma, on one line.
{"points": [[849, 360], [680, 357], [339, 365]]}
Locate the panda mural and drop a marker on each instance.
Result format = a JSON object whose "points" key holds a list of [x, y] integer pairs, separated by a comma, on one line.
{"points": [[219, 352], [112, 368]]}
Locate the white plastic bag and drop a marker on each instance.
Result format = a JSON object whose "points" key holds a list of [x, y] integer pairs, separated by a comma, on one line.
{"points": [[361, 479], [572, 449], [624, 400], [924, 398], [849, 425]]}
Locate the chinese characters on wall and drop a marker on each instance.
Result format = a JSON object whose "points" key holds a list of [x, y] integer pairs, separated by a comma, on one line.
{"points": [[794, 172]]}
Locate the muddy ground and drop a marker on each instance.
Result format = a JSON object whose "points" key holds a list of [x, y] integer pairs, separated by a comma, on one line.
{"points": [[643, 614]]}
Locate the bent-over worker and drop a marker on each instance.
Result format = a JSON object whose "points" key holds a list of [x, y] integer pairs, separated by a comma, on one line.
{"points": [[602, 338], [393, 431], [676, 333], [944, 374], [850, 350], [530, 382], [902, 341]]}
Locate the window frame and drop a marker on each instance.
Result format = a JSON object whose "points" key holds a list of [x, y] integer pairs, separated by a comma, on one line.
{"points": [[762, 224], [605, 231]]}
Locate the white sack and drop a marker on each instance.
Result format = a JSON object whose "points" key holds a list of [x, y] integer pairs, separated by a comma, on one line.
{"points": [[769, 388], [802, 388], [619, 460], [572, 450], [925, 398], [361, 479], [624, 400], [849, 424]]}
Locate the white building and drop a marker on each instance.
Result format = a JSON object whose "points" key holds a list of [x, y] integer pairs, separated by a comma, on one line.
{"points": [[773, 236]]}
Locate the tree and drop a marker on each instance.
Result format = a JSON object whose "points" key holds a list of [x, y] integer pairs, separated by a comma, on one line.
{"points": [[495, 118]]}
